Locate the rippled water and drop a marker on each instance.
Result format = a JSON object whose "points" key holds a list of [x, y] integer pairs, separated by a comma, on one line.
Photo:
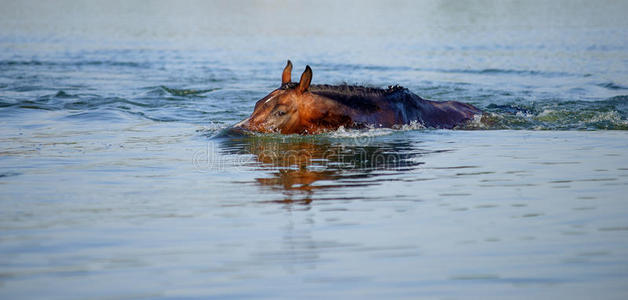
{"points": [[115, 166]]}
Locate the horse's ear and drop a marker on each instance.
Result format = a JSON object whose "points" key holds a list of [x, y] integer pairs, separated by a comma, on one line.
{"points": [[306, 79], [285, 77]]}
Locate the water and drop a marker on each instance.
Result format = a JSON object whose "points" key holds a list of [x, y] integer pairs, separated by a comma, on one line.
{"points": [[115, 168]]}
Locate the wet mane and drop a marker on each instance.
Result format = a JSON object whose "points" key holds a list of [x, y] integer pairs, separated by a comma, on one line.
{"points": [[359, 97]]}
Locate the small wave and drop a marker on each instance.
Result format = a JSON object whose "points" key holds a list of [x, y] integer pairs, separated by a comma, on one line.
{"points": [[9, 174], [212, 130], [159, 108], [344, 67], [609, 114], [487, 71], [612, 86], [63, 101], [6, 103], [99, 115], [186, 92], [509, 71], [492, 71], [62, 94], [113, 63]]}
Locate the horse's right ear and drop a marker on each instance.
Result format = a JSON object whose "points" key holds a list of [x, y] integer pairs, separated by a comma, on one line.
{"points": [[285, 77], [306, 79]]}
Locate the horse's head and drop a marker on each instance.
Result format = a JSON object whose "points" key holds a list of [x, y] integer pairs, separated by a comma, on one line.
{"points": [[285, 109]]}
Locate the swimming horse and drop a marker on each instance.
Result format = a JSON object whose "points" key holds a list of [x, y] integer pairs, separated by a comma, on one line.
{"points": [[302, 108]]}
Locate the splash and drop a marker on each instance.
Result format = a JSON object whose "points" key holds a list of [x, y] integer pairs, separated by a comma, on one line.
{"points": [[371, 131], [609, 114]]}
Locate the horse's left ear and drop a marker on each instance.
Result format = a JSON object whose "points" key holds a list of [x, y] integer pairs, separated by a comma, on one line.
{"points": [[306, 79], [285, 77]]}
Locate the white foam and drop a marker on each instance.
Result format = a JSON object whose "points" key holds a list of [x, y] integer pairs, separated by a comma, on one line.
{"points": [[610, 116], [372, 131], [546, 112], [477, 122]]}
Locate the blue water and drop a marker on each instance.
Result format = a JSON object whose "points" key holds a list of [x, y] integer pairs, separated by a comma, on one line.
{"points": [[118, 181]]}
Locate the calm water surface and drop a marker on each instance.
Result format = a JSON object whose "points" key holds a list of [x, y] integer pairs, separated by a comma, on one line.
{"points": [[119, 181]]}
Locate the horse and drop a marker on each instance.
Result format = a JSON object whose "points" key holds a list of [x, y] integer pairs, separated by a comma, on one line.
{"points": [[303, 108]]}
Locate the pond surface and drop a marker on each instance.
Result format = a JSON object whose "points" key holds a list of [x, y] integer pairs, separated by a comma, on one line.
{"points": [[118, 179]]}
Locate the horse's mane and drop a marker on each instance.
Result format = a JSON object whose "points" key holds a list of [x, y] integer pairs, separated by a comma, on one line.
{"points": [[355, 96]]}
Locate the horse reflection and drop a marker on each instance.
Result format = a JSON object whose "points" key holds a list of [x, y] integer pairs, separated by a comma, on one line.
{"points": [[303, 165]]}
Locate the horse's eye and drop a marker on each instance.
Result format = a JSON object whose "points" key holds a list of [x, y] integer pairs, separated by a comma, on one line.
{"points": [[280, 113]]}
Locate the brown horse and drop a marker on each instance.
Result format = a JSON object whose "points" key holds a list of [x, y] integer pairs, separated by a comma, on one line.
{"points": [[311, 109]]}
